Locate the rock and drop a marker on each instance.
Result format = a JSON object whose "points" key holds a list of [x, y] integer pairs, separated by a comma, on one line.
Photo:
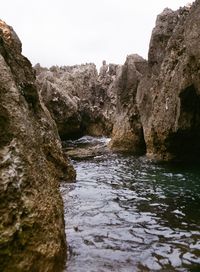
{"points": [[79, 99], [127, 132], [87, 147], [165, 24], [169, 99], [62, 106], [106, 98], [32, 236], [103, 69], [66, 91], [87, 152], [84, 103], [152, 106]]}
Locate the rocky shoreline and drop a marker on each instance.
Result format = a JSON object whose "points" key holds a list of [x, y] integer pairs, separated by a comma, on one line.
{"points": [[146, 107]]}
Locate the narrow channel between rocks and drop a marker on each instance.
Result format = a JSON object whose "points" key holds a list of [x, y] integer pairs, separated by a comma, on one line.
{"points": [[127, 214]]}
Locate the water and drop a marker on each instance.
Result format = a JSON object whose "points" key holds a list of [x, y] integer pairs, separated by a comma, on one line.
{"points": [[127, 214]]}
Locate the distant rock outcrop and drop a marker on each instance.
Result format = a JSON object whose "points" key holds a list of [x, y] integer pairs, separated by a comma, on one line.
{"points": [[79, 99], [32, 236], [127, 132], [106, 95], [169, 94]]}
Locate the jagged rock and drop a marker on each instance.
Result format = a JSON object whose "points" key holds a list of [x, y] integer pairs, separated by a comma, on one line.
{"points": [[65, 91], [103, 69], [61, 104], [165, 24], [78, 99], [169, 100], [127, 132], [32, 236], [106, 97]]}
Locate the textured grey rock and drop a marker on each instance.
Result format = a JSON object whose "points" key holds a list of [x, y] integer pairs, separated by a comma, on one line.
{"points": [[165, 24], [127, 132], [103, 69], [61, 104], [169, 99], [79, 99], [32, 236]]}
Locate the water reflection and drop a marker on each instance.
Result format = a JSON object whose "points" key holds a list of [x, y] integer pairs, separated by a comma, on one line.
{"points": [[127, 214]]}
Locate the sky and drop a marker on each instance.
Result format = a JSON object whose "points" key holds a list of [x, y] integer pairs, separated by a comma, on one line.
{"points": [[68, 32]]}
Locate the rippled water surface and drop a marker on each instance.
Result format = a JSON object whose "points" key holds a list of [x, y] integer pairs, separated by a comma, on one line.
{"points": [[127, 214]]}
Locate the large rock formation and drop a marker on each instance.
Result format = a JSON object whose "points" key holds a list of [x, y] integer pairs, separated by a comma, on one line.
{"points": [[58, 89], [153, 106], [106, 94], [32, 236], [169, 95], [78, 99], [127, 132]]}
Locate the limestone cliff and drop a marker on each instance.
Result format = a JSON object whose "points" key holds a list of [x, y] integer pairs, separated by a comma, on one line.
{"points": [[169, 95], [32, 236]]}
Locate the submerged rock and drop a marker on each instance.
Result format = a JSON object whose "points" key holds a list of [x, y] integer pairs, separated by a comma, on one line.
{"points": [[87, 147], [32, 236]]}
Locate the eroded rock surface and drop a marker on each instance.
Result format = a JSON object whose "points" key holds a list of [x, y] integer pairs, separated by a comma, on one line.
{"points": [[79, 99], [127, 132], [32, 236], [169, 95]]}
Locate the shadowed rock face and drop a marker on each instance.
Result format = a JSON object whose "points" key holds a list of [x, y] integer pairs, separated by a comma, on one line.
{"points": [[169, 94], [127, 132], [32, 234]]}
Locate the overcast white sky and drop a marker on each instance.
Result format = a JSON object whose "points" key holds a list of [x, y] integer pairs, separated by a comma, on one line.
{"points": [[67, 32]]}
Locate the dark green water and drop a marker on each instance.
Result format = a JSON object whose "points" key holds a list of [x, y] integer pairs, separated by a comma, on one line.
{"points": [[127, 214]]}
